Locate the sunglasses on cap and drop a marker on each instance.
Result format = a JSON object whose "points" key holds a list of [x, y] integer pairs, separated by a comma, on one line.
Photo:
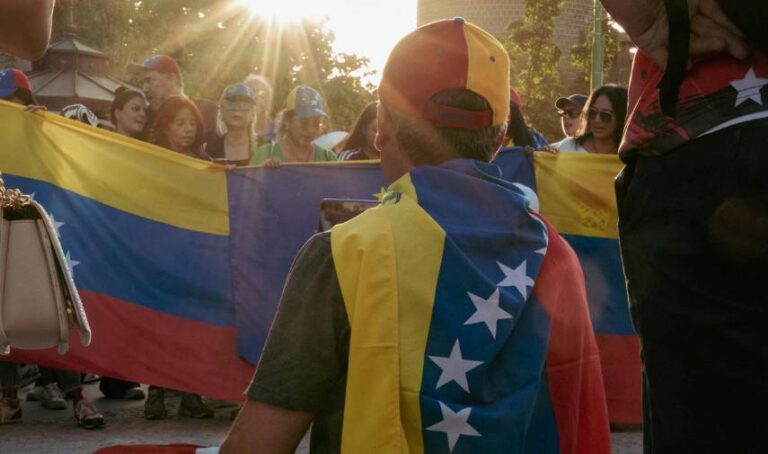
{"points": [[572, 113], [606, 116]]}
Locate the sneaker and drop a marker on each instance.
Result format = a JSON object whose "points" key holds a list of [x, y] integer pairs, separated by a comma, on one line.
{"points": [[154, 406], [51, 398], [87, 416], [10, 411], [192, 406], [34, 394]]}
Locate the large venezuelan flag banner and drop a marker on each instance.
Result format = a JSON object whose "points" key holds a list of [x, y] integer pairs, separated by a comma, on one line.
{"points": [[576, 194], [146, 233]]}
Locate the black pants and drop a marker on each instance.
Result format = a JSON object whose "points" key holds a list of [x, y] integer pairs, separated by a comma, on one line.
{"points": [[694, 240]]}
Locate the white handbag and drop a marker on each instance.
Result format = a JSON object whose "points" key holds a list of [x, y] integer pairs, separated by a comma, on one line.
{"points": [[39, 302]]}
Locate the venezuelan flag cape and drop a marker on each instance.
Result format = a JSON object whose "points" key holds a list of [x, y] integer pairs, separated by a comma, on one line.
{"points": [[469, 324], [575, 192]]}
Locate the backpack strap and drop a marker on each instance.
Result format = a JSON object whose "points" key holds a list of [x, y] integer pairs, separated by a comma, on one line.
{"points": [[677, 60]]}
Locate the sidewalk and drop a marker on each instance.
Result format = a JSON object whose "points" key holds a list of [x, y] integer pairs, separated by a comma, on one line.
{"points": [[50, 431]]}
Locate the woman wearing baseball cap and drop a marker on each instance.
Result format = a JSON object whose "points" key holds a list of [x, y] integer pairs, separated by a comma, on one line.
{"points": [[235, 143], [300, 125]]}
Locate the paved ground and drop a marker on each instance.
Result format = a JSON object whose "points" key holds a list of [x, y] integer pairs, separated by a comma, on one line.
{"points": [[47, 431]]}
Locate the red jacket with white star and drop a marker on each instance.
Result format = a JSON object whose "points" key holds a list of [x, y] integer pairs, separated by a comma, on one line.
{"points": [[717, 92]]}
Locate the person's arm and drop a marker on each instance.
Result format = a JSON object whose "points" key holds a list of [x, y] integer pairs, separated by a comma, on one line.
{"points": [[25, 27], [264, 428], [646, 23]]}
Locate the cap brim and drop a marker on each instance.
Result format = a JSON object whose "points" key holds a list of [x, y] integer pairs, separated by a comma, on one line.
{"points": [[562, 102], [309, 113], [237, 105], [6, 92]]}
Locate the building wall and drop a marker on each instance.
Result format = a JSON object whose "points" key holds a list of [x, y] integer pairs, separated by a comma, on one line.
{"points": [[492, 15], [495, 16]]}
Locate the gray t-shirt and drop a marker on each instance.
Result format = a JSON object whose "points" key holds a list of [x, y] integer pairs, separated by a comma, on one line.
{"points": [[304, 363]]}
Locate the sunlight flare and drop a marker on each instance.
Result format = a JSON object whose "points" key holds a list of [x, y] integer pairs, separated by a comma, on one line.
{"points": [[285, 10]]}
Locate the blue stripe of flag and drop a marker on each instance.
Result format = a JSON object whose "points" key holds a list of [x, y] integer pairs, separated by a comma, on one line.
{"points": [[159, 266]]}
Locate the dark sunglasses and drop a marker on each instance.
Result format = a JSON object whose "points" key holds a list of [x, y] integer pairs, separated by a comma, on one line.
{"points": [[605, 116], [569, 113]]}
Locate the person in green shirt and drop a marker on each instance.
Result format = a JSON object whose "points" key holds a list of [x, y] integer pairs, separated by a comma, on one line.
{"points": [[300, 124]]}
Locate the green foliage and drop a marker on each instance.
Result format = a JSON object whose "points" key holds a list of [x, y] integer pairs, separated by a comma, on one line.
{"points": [[216, 45], [581, 56], [535, 64]]}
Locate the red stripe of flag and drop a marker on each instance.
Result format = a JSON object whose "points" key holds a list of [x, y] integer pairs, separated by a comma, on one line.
{"points": [[136, 343], [573, 362]]}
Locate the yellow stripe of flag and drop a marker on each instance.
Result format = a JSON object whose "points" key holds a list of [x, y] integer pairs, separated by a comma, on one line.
{"points": [[117, 171], [576, 192], [375, 254]]}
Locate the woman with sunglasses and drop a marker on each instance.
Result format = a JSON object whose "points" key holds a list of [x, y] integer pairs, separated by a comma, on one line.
{"points": [[602, 122], [569, 110], [300, 124]]}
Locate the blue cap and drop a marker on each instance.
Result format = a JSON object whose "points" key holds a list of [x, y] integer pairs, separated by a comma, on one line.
{"points": [[238, 97], [305, 102]]}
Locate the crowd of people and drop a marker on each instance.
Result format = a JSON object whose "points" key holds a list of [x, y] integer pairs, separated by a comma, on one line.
{"points": [[240, 130], [516, 370]]}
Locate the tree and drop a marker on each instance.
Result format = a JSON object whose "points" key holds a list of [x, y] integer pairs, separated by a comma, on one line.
{"points": [[581, 56], [217, 44], [535, 63]]}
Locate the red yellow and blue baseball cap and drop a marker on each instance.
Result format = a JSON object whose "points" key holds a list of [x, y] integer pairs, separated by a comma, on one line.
{"points": [[444, 55], [305, 102], [160, 63], [11, 80]]}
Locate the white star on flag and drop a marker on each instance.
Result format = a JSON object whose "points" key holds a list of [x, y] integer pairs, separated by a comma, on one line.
{"points": [[71, 263], [542, 251], [749, 87], [454, 368], [517, 278], [56, 224], [487, 311], [454, 425]]}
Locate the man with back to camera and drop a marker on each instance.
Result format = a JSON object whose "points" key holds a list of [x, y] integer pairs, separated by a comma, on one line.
{"points": [[448, 318], [25, 28], [693, 220]]}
